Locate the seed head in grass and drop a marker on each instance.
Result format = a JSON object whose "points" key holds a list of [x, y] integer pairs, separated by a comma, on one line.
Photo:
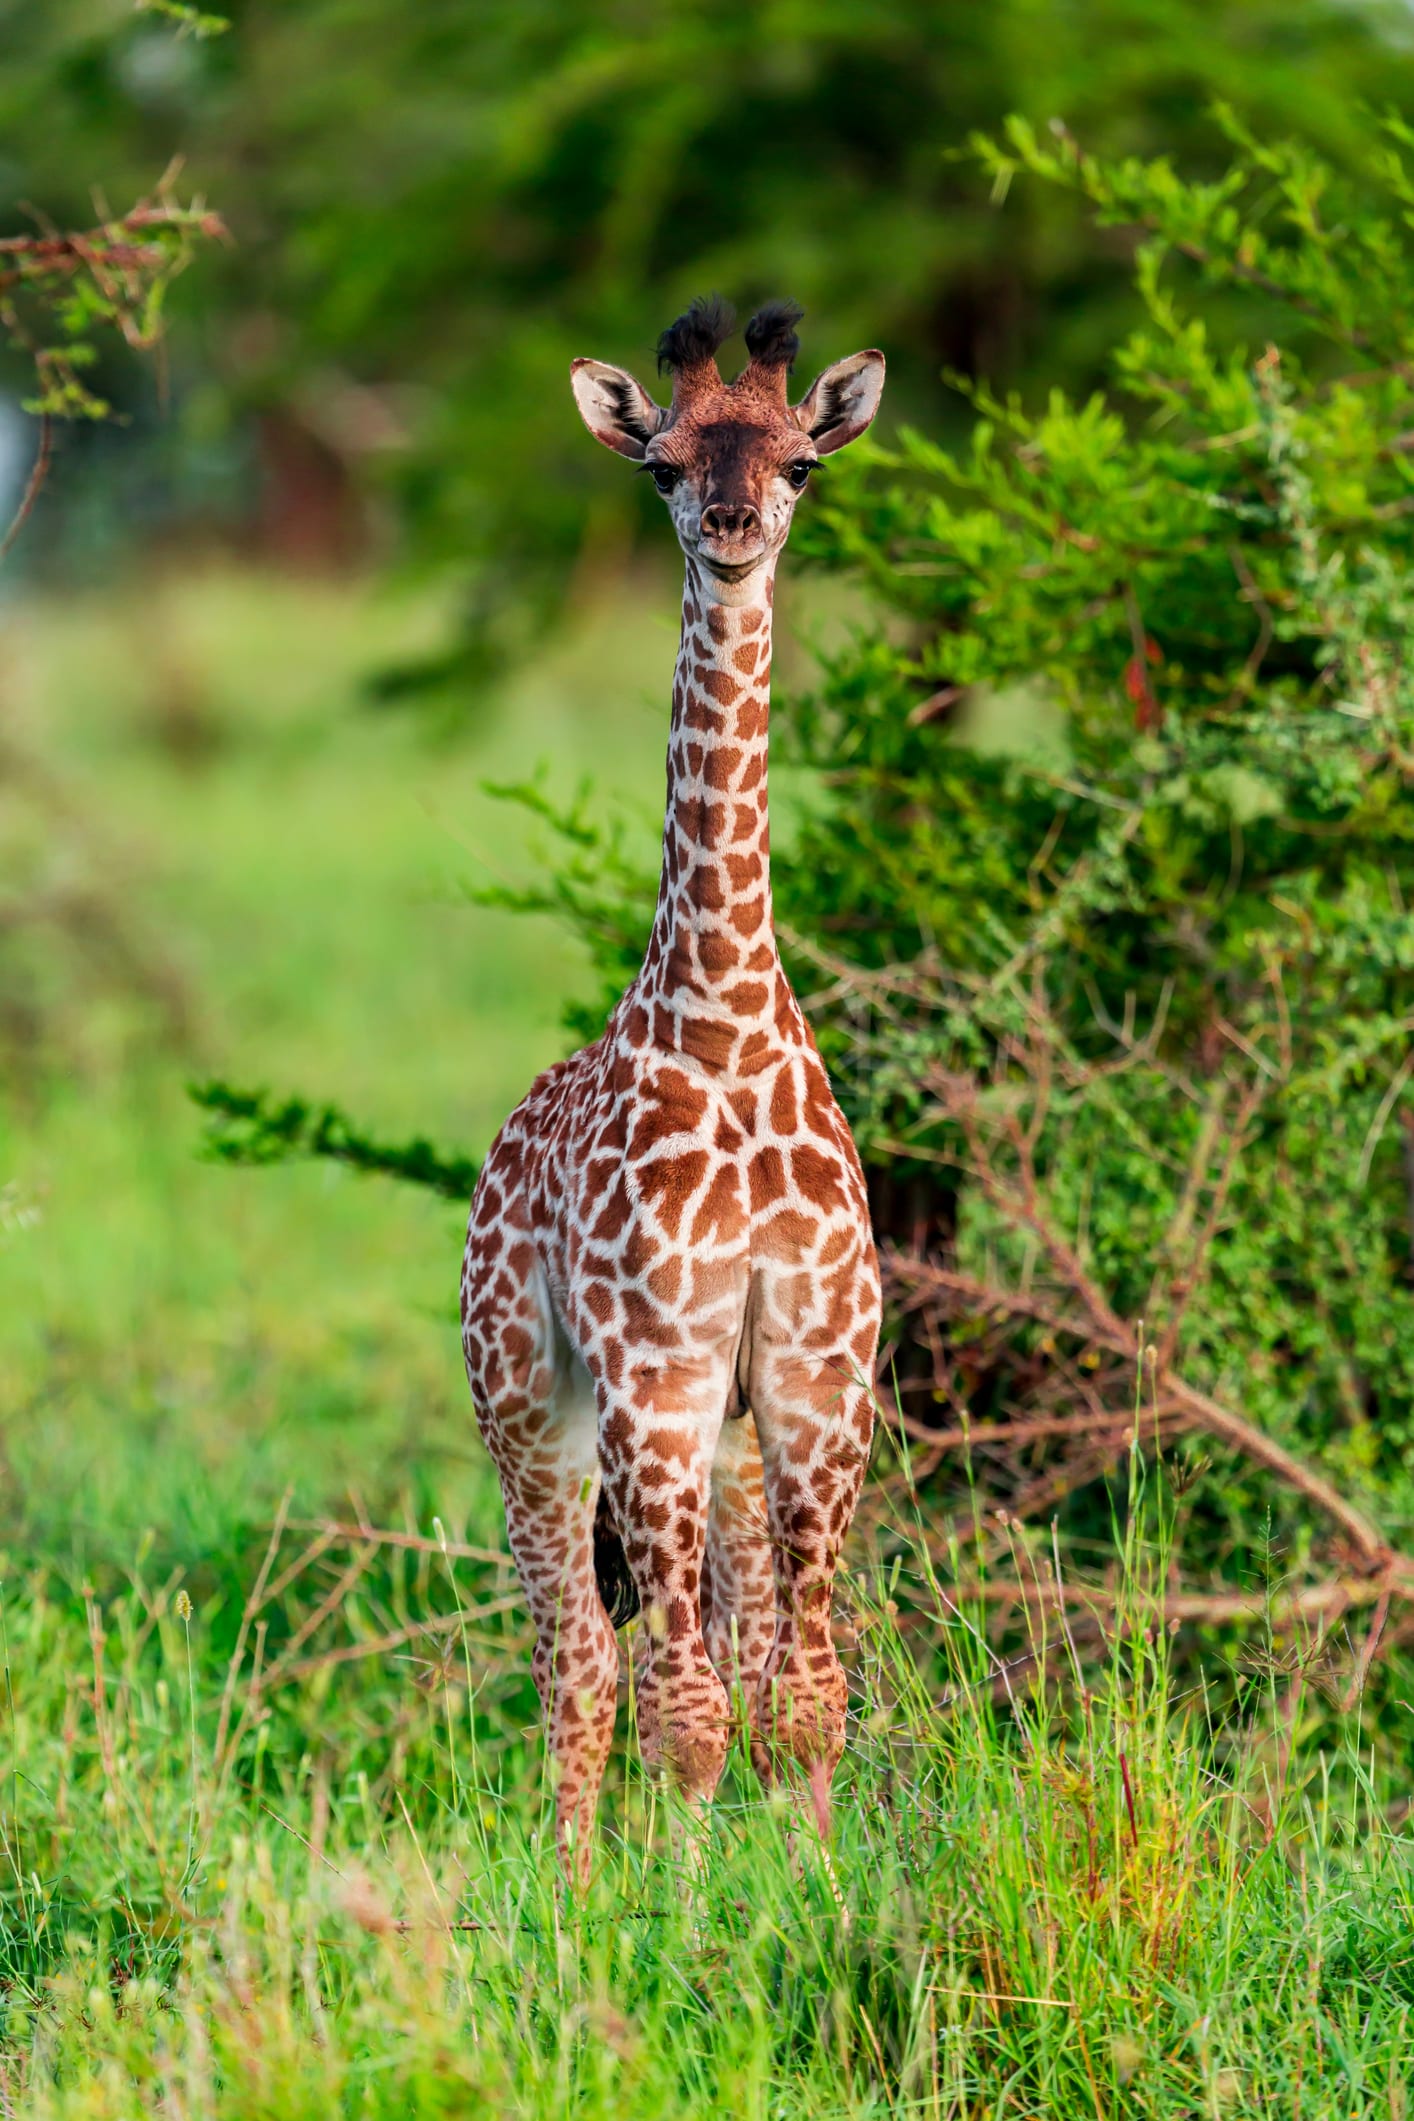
{"points": [[1126, 2055]]}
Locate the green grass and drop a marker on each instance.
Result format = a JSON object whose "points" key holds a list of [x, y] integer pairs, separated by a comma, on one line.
{"points": [[289, 1854], [269, 1878]]}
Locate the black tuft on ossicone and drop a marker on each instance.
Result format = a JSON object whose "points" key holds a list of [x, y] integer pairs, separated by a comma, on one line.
{"points": [[771, 336], [695, 336]]}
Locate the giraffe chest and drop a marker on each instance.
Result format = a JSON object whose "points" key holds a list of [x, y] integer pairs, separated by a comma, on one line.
{"points": [[675, 1198]]}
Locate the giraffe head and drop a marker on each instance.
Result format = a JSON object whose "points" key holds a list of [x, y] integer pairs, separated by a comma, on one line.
{"points": [[730, 459]]}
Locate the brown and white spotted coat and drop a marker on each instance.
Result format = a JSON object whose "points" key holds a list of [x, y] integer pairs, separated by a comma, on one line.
{"points": [[670, 1284]]}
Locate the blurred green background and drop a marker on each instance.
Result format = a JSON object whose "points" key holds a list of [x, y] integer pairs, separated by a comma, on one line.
{"points": [[344, 554]]}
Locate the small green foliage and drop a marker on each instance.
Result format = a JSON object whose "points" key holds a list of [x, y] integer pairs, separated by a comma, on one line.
{"points": [[190, 21], [595, 885], [250, 1127]]}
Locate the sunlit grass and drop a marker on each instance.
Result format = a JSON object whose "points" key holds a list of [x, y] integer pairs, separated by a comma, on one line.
{"points": [[294, 860], [1064, 1894]]}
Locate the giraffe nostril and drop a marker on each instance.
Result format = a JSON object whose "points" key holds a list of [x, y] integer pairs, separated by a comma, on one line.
{"points": [[723, 519]]}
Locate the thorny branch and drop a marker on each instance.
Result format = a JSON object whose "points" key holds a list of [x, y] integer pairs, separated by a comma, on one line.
{"points": [[1175, 1406], [1068, 1357]]}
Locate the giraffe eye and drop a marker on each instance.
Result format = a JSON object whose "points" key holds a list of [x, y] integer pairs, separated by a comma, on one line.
{"points": [[665, 476], [799, 472]]}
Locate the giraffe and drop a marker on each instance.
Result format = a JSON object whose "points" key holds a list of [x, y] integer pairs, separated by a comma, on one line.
{"points": [[670, 1296]]}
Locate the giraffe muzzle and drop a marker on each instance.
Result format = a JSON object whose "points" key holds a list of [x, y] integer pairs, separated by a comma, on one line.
{"points": [[730, 539]]}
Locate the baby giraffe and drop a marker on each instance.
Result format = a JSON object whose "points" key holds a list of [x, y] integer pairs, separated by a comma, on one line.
{"points": [[670, 1298]]}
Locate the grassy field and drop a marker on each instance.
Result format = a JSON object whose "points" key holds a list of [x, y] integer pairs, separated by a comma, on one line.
{"points": [[273, 1816], [292, 867]]}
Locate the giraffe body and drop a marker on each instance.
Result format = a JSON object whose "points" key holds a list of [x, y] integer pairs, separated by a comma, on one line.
{"points": [[670, 1297]]}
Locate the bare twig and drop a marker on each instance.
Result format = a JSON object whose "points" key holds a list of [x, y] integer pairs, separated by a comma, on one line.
{"points": [[379, 1645], [1378, 1123], [252, 1607], [1196, 1410], [415, 1542], [1318, 1602], [312, 1622], [33, 485], [1256, 655]]}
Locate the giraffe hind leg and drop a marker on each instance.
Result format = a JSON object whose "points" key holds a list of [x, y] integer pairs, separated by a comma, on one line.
{"points": [[657, 1447], [576, 1661], [816, 1422]]}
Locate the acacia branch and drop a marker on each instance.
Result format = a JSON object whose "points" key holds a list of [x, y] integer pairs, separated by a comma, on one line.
{"points": [[1196, 1410], [122, 269], [1177, 1404], [111, 244], [250, 1127]]}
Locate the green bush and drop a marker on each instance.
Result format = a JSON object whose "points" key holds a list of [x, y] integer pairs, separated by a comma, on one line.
{"points": [[1111, 859]]}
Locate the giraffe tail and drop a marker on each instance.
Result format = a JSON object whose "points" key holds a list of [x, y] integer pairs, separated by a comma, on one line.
{"points": [[617, 1588]]}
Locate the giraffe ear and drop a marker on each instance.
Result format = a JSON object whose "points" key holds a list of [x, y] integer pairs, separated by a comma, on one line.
{"points": [[840, 403], [615, 407]]}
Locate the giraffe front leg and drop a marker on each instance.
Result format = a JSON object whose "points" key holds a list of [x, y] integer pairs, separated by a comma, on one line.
{"points": [[550, 1504], [536, 1411], [815, 1417], [657, 1437]]}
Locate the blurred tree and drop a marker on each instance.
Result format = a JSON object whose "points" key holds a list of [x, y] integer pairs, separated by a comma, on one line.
{"points": [[435, 206], [65, 294]]}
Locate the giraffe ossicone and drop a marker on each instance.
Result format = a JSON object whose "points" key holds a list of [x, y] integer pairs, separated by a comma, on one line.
{"points": [[670, 1296]]}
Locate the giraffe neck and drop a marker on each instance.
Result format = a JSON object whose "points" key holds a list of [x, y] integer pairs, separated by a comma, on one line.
{"points": [[711, 980]]}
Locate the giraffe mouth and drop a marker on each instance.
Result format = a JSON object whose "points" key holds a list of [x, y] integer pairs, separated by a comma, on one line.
{"points": [[727, 569]]}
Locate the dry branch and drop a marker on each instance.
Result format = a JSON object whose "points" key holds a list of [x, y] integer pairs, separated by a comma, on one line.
{"points": [[415, 1542], [395, 1638], [1174, 1404], [1325, 1601], [33, 485]]}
